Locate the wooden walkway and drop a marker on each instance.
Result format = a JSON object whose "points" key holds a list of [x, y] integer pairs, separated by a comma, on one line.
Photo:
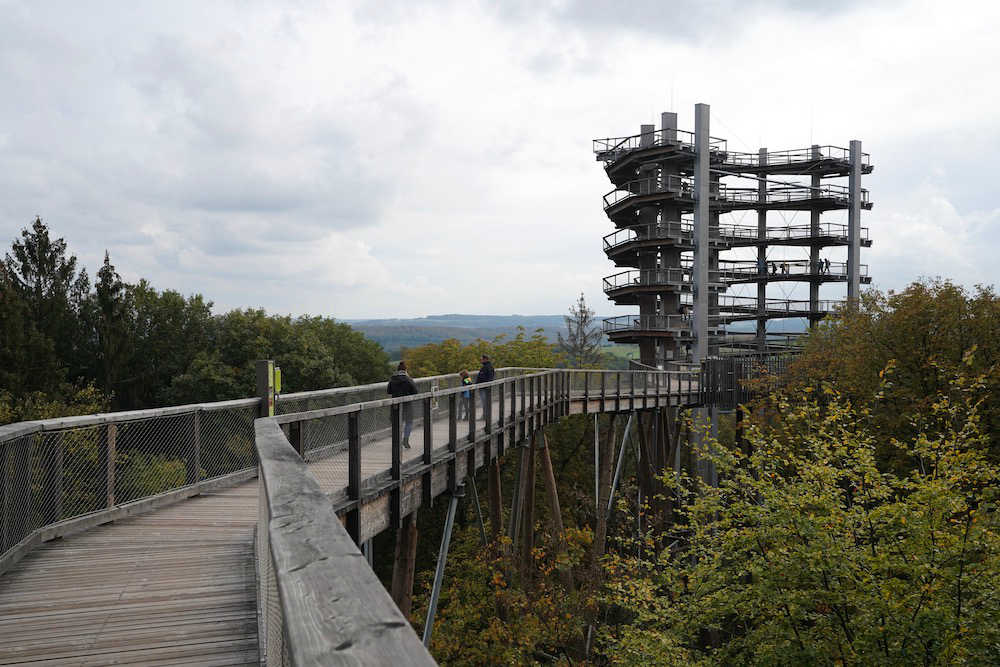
{"points": [[173, 587]]}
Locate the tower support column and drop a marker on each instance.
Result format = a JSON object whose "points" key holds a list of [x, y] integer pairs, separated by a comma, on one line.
{"points": [[761, 254], [814, 248], [854, 227], [699, 277]]}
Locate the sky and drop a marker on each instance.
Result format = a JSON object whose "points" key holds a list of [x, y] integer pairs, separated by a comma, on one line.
{"points": [[403, 158]]}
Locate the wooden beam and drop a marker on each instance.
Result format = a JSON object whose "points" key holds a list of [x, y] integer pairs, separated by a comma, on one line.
{"points": [[528, 529], [335, 610], [404, 564], [557, 523], [496, 500]]}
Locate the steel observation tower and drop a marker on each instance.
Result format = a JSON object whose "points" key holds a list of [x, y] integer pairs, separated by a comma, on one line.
{"points": [[671, 187]]}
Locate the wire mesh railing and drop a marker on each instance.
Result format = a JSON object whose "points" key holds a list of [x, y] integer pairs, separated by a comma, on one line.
{"points": [[68, 473], [793, 156], [736, 270], [613, 148]]}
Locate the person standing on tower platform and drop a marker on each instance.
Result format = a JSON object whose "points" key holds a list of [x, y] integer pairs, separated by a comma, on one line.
{"points": [[486, 374], [401, 384]]}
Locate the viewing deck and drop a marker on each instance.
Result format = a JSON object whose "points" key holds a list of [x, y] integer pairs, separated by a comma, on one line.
{"points": [[622, 155], [622, 246], [626, 286], [621, 204], [735, 272], [830, 234]]}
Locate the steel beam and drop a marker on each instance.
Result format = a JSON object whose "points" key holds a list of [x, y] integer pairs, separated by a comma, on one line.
{"points": [[854, 226], [701, 226], [761, 254]]}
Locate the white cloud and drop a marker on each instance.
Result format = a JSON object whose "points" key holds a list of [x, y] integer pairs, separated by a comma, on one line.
{"points": [[428, 158]]}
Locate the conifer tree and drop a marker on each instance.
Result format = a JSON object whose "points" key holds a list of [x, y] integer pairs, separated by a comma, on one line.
{"points": [[581, 346]]}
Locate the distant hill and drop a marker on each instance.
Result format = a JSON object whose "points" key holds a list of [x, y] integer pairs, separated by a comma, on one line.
{"points": [[394, 334]]}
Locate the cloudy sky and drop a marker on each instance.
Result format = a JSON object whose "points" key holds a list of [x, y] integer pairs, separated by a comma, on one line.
{"points": [[402, 158]]}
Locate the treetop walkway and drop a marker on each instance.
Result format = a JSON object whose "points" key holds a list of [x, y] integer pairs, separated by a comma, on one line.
{"points": [[138, 537]]}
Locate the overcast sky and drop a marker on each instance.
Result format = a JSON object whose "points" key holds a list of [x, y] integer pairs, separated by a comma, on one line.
{"points": [[402, 158]]}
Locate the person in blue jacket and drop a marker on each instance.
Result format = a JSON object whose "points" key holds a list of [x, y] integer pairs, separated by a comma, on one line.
{"points": [[486, 374], [401, 384]]}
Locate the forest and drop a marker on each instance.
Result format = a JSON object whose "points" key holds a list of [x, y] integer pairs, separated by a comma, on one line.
{"points": [[72, 345], [854, 521]]}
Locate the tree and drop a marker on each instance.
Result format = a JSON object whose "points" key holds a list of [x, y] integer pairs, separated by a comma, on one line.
{"points": [[450, 356], [38, 281], [921, 330], [113, 305], [581, 346], [811, 550]]}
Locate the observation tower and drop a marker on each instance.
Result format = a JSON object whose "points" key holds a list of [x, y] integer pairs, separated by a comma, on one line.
{"points": [[679, 207]]}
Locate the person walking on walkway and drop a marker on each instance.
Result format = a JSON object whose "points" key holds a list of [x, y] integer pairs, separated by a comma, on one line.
{"points": [[465, 400], [401, 384], [826, 265], [486, 374]]}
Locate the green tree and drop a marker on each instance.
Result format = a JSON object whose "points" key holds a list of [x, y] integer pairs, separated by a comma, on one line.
{"points": [[812, 551], [115, 323], [926, 327], [582, 345], [42, 275], [450, 356]]}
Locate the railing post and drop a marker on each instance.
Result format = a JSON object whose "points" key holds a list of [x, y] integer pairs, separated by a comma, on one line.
{"points": [[586, 392], [501, 420], [295, 437], [488, 411], [618, 391], [657, 378], [354, 476], [427, 494], [603, 391], [395, 469], [631, 390], [524, 414], [428, 430], [453, 437], [474, 397], [197, 447]]}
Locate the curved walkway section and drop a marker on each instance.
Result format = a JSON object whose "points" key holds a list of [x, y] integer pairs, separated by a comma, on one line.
{"points": [[175, 586]]}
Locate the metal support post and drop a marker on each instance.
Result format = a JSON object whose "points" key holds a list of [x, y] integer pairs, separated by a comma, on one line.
{"points": [[854, 226], [439, 572], [353, 523], [265, 387], [621, 458], [479, 510], [814, 260], [761, 255], [701, 227]]}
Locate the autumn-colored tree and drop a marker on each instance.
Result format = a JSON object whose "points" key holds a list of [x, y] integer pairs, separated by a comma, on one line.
{"points": [[813, 551], [921, 330], [450, 356]]}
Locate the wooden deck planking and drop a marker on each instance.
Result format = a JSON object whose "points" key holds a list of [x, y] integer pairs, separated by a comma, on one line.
{"points": [[175, 586]]}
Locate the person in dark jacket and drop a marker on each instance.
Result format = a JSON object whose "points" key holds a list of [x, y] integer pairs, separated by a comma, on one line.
{"points": [[486, 374], [401, 384]]}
